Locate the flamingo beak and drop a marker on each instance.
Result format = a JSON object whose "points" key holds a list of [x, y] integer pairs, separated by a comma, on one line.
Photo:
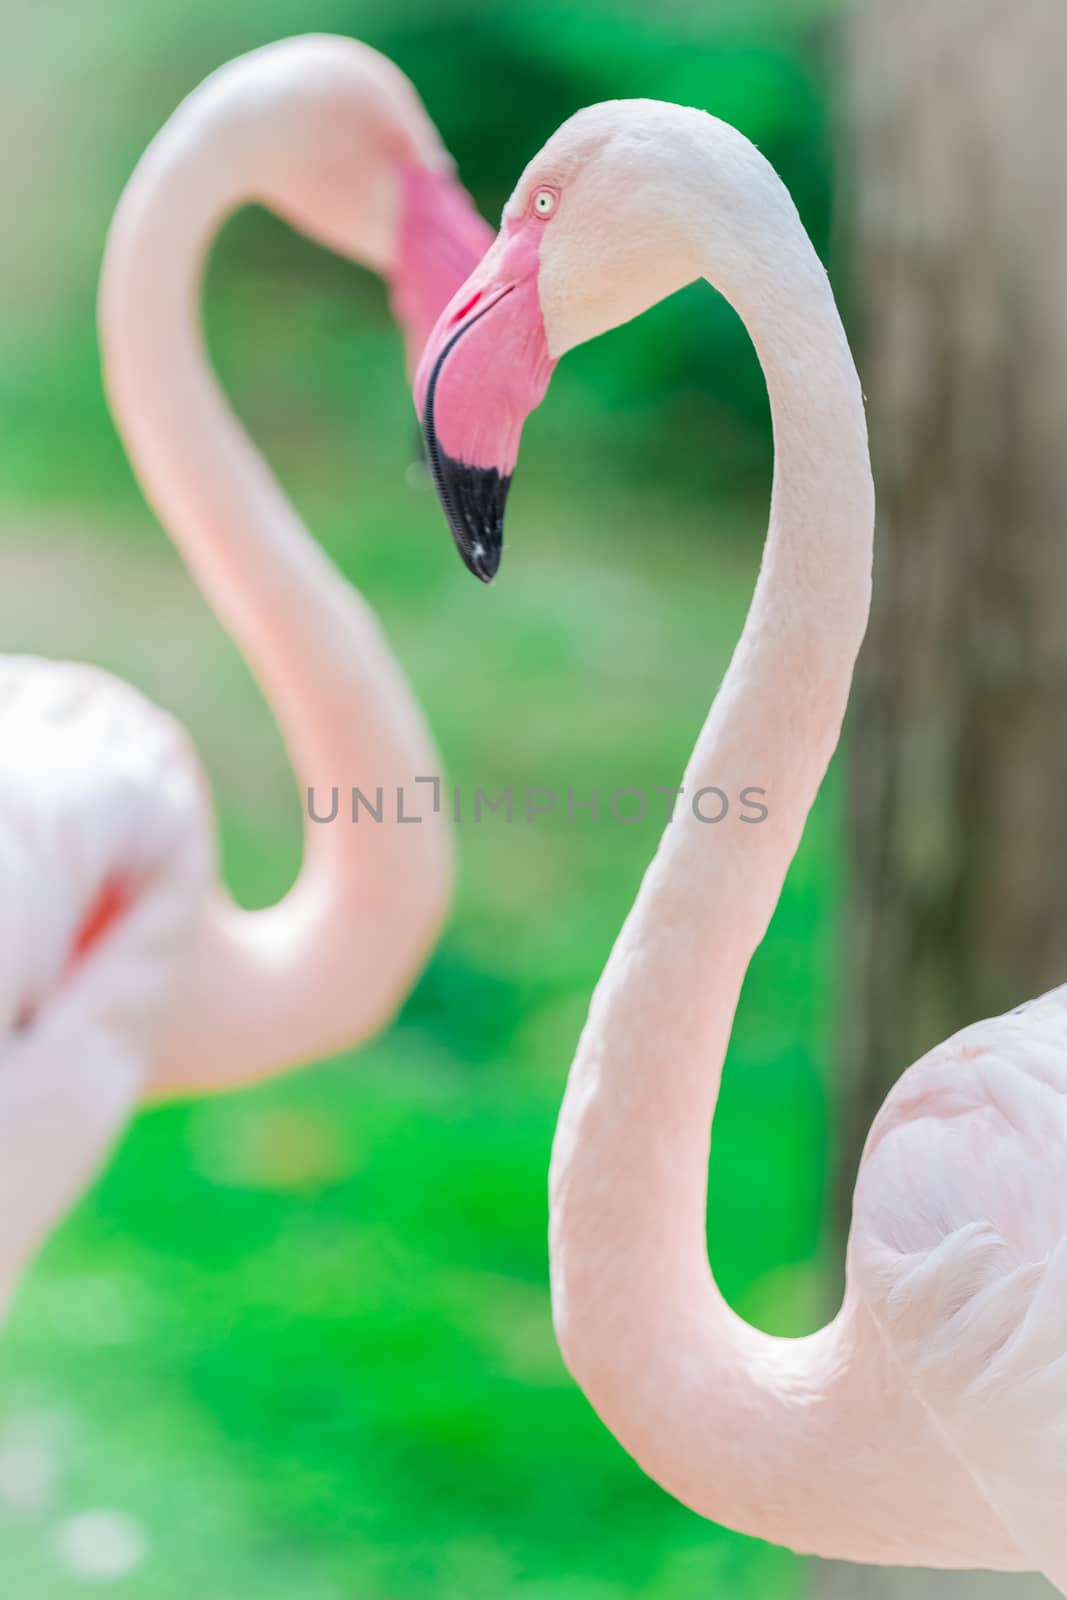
{"points": [[485, 367], [440, 240]]}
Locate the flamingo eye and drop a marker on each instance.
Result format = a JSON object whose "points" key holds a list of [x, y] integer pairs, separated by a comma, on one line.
{"points": [[545, 202]]}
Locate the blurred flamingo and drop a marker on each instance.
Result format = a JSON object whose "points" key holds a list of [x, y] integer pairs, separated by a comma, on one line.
{"points": [[123, 970], [927, 1424]]}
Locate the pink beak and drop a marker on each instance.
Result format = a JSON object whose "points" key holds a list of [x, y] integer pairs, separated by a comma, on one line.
{"points": [[441, 239], [485, 367]]}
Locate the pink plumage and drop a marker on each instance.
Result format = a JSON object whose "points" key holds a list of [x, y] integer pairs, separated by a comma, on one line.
{"points": [[927, 1424], [124, 969]]}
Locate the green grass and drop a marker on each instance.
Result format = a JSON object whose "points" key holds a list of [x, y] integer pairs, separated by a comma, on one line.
{"points": [[303, 1335]]}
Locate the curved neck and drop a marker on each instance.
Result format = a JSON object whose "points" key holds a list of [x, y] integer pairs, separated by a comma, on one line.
{"points": [[310, 974], [721, 1415]]}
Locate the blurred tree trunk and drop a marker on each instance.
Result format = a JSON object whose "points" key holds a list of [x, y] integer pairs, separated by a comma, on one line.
{"points": [[958, 731]]}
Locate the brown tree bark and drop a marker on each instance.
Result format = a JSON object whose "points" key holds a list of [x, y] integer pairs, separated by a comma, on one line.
{"points": [[957, 786]]}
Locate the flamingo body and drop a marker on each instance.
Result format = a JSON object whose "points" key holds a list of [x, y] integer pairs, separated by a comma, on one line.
{"points": [[927, 1424], [105, 864], [125, 969], [959, 1248]]}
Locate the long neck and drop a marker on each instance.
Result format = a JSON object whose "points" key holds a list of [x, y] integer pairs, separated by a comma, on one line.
{"points": [[330, 961], [721, 1415]]}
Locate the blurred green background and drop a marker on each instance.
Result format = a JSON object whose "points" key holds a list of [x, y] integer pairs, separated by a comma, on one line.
{"points": [[298, 1342]]}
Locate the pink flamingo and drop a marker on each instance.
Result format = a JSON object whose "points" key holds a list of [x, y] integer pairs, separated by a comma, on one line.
{"points": [[927, 1424], [122, 970]]}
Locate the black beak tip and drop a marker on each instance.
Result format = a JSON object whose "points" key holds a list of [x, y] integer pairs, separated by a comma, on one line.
{"points": [[481, 559], [473, 500]]}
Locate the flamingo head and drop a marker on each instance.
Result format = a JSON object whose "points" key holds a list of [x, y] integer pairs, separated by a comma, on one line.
{"points": [[343, 148], [592, 236]]}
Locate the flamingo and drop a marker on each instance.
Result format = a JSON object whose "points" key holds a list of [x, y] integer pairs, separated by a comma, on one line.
{"points": [[927, 1423], [124, 970]]}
